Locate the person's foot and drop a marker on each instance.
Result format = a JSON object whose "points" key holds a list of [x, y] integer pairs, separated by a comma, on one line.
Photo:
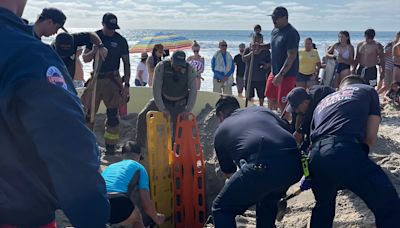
{"points": [[110, 149]]}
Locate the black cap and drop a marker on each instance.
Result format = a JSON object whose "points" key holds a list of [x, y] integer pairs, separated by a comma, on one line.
{"points": [[295, 98], [279, 11], [179, 58], [64, 45], [56, 15], [111, 21]]}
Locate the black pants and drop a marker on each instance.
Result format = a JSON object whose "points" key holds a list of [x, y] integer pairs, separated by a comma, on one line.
{"points": [[261, 186], [343, 163], [121, 208]]}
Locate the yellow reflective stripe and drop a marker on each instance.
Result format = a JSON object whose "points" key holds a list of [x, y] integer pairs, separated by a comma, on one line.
{"points": [[111, 136]]}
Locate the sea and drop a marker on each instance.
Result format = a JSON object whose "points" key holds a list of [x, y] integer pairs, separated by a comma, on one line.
{"points": [[208, 40]]}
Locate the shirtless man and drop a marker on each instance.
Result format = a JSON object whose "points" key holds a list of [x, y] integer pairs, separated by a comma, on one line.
{"points": [[396, 58], [369, 53]]}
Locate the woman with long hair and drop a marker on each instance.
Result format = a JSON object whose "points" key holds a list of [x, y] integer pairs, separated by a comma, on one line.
{"points": [[197, 62], [153, 60], [343, 53]]}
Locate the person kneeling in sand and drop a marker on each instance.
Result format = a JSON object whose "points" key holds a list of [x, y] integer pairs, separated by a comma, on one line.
{"points": [[124, 180], [268, 158], [174, 92]]}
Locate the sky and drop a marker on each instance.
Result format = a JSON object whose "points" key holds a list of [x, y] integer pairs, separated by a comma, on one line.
{"points": [[305, 15]]}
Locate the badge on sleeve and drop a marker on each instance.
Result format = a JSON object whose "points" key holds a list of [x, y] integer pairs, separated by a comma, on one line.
{"points": [[55, 77]]}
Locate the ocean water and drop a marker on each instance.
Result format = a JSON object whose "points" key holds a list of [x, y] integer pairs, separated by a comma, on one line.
{"points": [[208, 40]]}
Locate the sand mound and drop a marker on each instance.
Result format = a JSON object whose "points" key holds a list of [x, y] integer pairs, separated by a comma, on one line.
{"points": [[350, 210]]}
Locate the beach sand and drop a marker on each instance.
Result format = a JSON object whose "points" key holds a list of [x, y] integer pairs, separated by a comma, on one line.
{"points": [[350, 210]]}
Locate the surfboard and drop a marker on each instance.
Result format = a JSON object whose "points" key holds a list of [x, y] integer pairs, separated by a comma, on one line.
{"points": [[328, 74]]}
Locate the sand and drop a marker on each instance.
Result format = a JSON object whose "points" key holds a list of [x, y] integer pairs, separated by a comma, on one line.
{"points": [[350, 210]]}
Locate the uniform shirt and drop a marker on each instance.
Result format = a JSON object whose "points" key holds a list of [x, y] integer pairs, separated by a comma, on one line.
{"points": [[117, 47], [345, 113], [240, 65], [48, 157], [308, 61], [282, 40], [259, 74], [80, 39], [240, 135], [119, 176], [317, 93]]}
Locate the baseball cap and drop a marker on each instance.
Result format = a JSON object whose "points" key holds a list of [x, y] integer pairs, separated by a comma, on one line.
{"points": [[56, 15], [111, 21], [179, 58], [295, 98], [65, 45], [279, 11]]}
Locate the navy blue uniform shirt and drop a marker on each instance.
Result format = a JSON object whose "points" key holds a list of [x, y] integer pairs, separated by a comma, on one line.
{"points": [[282, 40], [240, 136], [48, 157], [345, 113], [117, 47]]}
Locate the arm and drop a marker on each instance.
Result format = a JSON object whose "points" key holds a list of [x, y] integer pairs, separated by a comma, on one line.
{"points": [[372, 130], [213, 65], [140, 76], [89, 53], [72, 167], [329, 52], [157, 87], [192, 85], [230, 73], [381, 55], [247, 55], [356, 59], [148, 206], [225, 161], [292, 55], [202, 68], [127, 68]]}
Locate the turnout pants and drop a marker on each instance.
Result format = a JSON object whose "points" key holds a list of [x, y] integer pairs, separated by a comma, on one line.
{"points": [[260, 186], [174, 108], [341, 162], [110, 93]]}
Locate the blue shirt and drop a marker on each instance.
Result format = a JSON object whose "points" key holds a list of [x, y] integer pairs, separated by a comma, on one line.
{"points": [[282, 40], [240, 135], [345, 113], [118, 176]]}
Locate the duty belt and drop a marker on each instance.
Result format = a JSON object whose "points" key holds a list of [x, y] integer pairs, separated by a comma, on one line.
{"points": [[109, 74], [332, 139]]}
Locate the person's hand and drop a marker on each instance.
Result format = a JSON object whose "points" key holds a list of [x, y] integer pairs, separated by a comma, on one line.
{"points": [[103, 53], [298, 137], [277, 79], [305, 184], [160, 219], [224, 78]]}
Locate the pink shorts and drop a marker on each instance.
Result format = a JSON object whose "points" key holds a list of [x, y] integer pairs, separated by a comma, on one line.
{"points": [[279, 93]]}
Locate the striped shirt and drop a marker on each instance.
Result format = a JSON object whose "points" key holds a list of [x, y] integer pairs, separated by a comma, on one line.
{"points": [[389, 56]]}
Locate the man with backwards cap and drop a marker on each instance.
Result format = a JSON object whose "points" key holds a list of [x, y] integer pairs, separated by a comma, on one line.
{"points": [[174, 92], [66, 46], [48, 23], [40, 115], [111, 89], [302, 105], [268, 159]]}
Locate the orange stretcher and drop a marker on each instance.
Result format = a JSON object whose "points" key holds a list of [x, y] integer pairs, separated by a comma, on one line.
{"points": [[159, 149], [188, 174]]}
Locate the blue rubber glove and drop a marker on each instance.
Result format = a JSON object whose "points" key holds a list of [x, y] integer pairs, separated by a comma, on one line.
{"points": [[305, 184]]}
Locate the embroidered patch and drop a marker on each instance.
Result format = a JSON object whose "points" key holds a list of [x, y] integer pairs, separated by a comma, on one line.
{"points": [[55, 77], [114, 44]]}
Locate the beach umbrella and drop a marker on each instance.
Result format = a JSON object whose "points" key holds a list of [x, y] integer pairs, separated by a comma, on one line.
{"points": [[170, 41]]}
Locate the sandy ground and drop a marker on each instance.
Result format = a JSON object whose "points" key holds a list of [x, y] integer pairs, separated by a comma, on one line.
{"points": [[350, 210]]}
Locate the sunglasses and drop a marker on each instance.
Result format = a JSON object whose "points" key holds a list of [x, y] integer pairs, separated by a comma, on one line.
{"points": [[224, 45]]}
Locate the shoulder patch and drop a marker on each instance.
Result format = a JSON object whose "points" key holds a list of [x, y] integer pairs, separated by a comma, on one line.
{"points": [[55, 77]]}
